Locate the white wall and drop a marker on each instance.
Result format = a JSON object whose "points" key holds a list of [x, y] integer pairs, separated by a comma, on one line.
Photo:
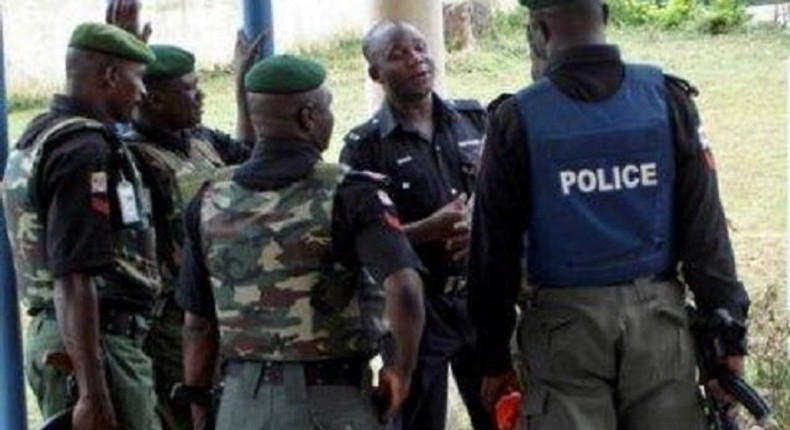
{"points": [[37, 31]]}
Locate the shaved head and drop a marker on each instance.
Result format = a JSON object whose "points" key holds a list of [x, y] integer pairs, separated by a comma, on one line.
{"points": [[305, 116], [109, 85], [374, 43], [580, 22]]}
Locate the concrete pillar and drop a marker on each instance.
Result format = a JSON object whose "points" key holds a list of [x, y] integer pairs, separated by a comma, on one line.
{"points": [[426, 15]]}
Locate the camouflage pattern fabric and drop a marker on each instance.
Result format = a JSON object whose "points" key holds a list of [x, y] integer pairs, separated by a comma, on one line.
{"points": [[135, 247], [184, 175], [179, 176], [280, 294]]}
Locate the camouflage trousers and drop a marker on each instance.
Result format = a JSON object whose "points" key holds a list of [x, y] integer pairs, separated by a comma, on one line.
{"points": [[609, 358], [165, 347], [251, 401], [130, 375]]}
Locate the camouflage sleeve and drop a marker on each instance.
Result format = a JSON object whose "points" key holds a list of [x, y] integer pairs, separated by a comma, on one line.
{"points": [[367, 231], [193, 291], [703, 242], [76, 190], [231, 150]]}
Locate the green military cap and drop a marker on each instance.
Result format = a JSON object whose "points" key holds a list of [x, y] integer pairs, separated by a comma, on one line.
{"points": [[284, 74], [171, 62], [542, 4], [111, 40]]}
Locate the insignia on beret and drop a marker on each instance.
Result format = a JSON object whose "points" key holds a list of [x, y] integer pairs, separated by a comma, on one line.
{"points": [[111, 40], [284, 74], [171, 62]]}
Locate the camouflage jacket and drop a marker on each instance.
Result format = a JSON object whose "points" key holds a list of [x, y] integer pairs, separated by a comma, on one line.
{"points": [[279, 290], [174, 179], [134, 263]]}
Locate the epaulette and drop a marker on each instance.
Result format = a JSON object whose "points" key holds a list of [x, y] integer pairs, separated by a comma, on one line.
{"points": [[494, 104], [472, 110], [465, 105], [683, 84], [379, 179], [362, 131]]}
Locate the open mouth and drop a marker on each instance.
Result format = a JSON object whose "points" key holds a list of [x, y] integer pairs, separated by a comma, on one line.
{"points": [[422, 76]]}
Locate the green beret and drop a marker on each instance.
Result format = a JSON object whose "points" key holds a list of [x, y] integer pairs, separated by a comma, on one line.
{"points": [[111, 40], [284, 74], [542, 4], [171, 62]]}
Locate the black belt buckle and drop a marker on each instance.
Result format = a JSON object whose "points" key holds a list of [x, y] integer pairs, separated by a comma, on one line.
{"points": [[272, 373], [335, 372]]}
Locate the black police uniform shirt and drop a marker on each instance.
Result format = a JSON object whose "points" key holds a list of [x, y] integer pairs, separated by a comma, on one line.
{"points": [[590, 74], [80, 222], [366, 230], [425, 173], [231, 152]]}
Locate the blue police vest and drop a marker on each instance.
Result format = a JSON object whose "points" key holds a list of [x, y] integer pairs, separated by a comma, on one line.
{"points": [[602, 183]]}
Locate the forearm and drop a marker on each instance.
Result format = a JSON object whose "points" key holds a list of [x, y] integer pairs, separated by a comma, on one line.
{"points": [[244, 131], [200, 350], [77, 310], [420, 231], [406, 312]]}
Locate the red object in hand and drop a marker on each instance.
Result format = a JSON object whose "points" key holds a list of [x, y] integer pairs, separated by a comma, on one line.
{"points": [[508, 411]]}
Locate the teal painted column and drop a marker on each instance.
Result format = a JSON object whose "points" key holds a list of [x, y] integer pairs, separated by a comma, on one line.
{"points": [[13, 414], [258, 17]]}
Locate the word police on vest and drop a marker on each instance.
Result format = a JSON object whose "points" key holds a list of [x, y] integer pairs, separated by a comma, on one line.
{"points": [[616, 178]]}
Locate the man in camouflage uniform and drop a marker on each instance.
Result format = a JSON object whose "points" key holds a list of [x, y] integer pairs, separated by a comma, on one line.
{"points": [[80, 227], [175, 154], [269, 260]]}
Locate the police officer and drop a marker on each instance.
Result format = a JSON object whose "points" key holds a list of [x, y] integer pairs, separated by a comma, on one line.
{"points": [[600, 176], [176, 155], [83, 243], [429, 148], [269, 262]]}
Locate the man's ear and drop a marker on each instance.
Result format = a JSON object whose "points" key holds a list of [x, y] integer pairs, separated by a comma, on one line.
{"points": [[112, 75], [153, 101], [373, 72], [306, 118], [544, 33]]}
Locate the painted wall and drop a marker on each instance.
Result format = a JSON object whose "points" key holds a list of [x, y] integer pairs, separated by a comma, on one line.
{"points": [[37, 31]]}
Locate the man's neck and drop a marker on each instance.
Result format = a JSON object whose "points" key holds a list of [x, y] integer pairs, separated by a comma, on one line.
{"points": [[90, 108], [151, 127], [415, 115]]}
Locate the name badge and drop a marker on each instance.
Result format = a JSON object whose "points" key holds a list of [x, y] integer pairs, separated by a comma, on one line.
{"points": [[127, 200]]}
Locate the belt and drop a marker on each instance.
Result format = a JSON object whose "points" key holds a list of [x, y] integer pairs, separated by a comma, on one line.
{"points": [[342, 371], [113, 322]]}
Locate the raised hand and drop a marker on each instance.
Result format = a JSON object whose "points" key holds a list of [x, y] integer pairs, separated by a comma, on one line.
{"points": [[126, 15]]}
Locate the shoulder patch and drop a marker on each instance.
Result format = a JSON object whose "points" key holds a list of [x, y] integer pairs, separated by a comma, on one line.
{"points": [[363, 131], [465, 105], [683, 84]]}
